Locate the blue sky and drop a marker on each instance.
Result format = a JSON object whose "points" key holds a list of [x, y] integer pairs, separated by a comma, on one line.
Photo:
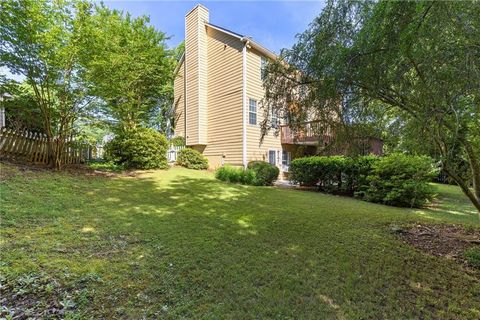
{"points": [[274, 24]]}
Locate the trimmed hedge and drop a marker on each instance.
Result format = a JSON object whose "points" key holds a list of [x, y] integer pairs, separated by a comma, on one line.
{"points": [[397, 179], [400, 180], [142, 148], [265, 173], [192, 159], [324, 172]]}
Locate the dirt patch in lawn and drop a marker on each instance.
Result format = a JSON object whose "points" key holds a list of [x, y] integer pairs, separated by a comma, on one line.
{"points": [[9, 170], [449, 241]]}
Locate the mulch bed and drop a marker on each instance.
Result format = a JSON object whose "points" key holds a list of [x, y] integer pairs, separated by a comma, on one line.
{"points": [[449, 241]]}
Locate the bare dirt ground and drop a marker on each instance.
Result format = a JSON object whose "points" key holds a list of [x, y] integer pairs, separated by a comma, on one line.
{"points": [[442, 240]]}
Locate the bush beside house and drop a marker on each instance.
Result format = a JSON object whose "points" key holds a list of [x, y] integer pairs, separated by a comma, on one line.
{"points": [[257, 173], [397, 179], [141, 148], [265, 173], [192, 159]]}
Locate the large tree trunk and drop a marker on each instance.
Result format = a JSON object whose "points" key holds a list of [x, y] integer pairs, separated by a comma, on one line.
{"points": [[474, 160]]}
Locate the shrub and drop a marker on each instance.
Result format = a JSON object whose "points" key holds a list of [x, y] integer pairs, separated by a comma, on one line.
{"points": [[236, 175], [142, 148], [357, 172], [265, 172], [326, 172], [177, 141], [400, 180], [192, 159]]}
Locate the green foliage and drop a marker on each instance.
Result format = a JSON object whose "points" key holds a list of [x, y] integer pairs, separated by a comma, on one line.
{"points": [[258, 173], [21, 109], [473, 256], [265, 173], [108, 166], [357, 172], [192, 159], [158, 224], [404, 68], [43, 41], [322, 171], [131, 68], [177, 141], [397, 179], [142, 148], [236, 175], [400, 180]]}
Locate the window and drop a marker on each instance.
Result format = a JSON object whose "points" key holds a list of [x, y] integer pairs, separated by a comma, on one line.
{"points": [[252, 112], [272, 157], [275, 121], [285, 158], [263, 65]]}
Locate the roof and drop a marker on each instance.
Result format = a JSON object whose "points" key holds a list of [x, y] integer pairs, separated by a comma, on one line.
{"points": [[252, 43], [240, 37]]}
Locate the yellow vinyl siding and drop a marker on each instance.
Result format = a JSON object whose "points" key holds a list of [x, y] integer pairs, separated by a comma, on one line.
{"points": [[255, 150], [179, 102], [224, 99], [196, 75]]}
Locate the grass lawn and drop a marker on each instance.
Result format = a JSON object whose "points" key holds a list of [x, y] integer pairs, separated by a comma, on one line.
{"points": [[179, 244]]}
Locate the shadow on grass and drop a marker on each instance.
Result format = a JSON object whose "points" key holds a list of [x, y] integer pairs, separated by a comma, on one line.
{"points": [[179, 244]]}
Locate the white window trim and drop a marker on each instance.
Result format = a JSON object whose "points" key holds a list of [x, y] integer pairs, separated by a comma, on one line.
{"points": [[275, 152], [263, 63], [256, 112], [285, 167]]}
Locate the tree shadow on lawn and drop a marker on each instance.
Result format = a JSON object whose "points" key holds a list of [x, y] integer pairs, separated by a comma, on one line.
{"points": [[197, 247], [216, 248]]}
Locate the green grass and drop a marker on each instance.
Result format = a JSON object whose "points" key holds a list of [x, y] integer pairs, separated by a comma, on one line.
{"points": [[180, 244]]}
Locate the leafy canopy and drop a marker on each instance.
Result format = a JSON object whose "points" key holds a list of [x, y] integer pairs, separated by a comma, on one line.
{"points": [[416, 61]]}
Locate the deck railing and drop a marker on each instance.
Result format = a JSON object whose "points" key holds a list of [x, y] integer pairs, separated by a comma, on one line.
{"points": [[310, 134]]}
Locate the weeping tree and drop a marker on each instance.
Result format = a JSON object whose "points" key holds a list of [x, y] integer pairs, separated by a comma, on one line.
{"points": [[41, 40], [419, 61]]}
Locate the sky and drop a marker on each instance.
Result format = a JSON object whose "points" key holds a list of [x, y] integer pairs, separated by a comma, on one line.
{"points": [[274, 24]]}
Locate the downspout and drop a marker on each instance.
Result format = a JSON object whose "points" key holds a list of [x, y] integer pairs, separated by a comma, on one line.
{"points": [[185, 97], [244, 101]]}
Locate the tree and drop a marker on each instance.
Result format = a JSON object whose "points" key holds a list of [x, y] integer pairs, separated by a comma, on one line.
{"points": [[21, 112], [41, 40], [162, 116], [417, 60], [131, 69]]}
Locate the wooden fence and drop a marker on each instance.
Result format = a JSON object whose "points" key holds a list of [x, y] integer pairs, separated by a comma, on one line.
{"points": [[33, 147]]}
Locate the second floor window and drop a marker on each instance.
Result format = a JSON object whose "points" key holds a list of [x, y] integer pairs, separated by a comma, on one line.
{"points": [[263, 65], [275, 120], [252, 112]]}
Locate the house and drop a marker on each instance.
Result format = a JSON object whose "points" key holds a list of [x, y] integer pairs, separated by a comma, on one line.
{"points": [[217, 94], [3, 97]]}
